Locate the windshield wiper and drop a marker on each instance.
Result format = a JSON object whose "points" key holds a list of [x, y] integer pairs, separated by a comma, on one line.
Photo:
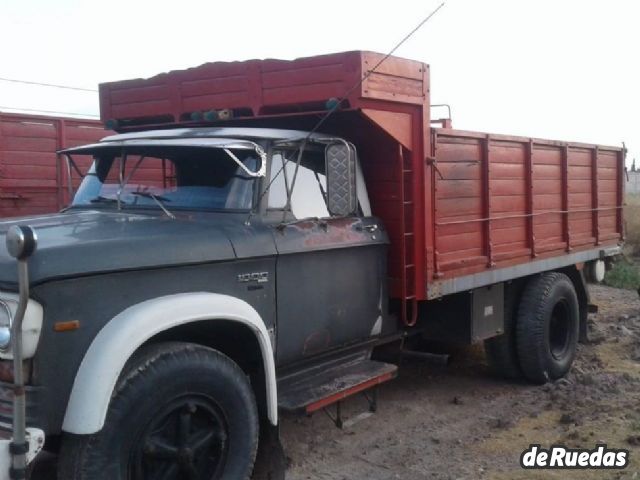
{"points": [[101, 199], [158, 199]]}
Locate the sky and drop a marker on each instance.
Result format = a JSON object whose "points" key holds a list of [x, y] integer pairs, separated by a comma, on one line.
{"points": [[559, 69]]}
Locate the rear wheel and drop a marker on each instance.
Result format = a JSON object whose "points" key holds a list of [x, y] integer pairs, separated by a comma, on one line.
{"points": [[181, 412], [547, 327]]}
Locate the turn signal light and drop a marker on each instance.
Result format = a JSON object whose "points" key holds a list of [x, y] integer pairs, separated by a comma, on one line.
{"points": [[66, 326]]}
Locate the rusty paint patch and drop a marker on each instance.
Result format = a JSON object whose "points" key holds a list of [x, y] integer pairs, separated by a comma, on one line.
{"points": [[341, 230], [316, 342]]}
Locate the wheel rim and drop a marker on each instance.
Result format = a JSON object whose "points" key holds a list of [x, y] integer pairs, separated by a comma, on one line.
{"points": [[560, 330], [186, 439]]}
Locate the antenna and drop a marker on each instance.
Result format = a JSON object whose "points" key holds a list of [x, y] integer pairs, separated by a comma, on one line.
{"points": [[332, 110], [369, 72]]}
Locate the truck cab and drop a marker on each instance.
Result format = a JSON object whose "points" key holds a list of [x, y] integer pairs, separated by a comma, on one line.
{"points": [[284, 203], [271, 229]]}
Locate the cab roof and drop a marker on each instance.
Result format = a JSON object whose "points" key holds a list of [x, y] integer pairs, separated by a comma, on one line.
{"points": [[221, 137], [217, 132]]}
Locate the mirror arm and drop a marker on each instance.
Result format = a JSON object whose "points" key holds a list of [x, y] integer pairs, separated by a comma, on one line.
{"points": [[263, 161]]}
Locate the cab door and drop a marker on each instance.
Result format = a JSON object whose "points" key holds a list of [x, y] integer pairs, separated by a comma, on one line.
{"points": [[330, 271]]}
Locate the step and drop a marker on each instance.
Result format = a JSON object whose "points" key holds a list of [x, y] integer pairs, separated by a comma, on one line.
{"points": [[315, 390]]}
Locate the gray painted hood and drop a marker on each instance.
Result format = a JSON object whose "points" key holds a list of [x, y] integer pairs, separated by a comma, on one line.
{"points": [[85, 242]]}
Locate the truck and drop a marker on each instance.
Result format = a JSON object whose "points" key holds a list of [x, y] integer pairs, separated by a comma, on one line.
{"points": [[273, 235], [33, 178]]}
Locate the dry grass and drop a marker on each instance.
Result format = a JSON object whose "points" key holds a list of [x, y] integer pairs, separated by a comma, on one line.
{"points": [[613, 432], [632, 218]]}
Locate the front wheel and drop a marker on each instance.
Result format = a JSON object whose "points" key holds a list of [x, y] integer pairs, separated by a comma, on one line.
{"points": [[181, 411], [547, 327]]}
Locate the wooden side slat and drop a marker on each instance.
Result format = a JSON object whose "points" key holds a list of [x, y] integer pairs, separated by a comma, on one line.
{"points": [[544, 198]]}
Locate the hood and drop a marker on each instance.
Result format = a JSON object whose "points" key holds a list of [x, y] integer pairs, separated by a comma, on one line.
{"points": [[85, 242]]}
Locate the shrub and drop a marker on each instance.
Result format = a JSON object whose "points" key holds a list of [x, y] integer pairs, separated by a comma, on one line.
{"points": [[632, 218], [624, 274]]}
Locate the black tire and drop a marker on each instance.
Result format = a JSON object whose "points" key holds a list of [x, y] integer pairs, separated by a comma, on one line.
{"points": [[193, 393], [547, 327], [501, 351]]}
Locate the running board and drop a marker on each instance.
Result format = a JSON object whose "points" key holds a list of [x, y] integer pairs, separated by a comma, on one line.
{"points": [[308, 392]]}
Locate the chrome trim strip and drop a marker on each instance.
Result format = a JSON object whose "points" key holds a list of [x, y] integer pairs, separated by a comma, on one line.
{"points": [[481, 279]]}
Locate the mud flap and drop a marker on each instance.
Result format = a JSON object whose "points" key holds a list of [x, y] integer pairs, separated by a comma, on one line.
{"points": [[585, 306], [584, 299], [271, 462]]}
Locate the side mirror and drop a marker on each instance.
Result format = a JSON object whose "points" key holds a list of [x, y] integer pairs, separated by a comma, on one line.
{"points": [[342, 199]]}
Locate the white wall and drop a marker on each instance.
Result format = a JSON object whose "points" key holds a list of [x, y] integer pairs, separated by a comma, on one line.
{"points": [[633, 183]]}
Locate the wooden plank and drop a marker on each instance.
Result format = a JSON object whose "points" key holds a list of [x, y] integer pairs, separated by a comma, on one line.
{"points": [[449, 207], [531, 241], [540, 142], [463, 188], [486, 199], [136, 109], [140, 94], [26, 128], [594, 194], [215, 101], [620, 193], [509, 171], [333, 72]]}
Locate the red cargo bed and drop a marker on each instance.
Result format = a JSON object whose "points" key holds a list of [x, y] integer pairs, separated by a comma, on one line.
{"points": [[463, 209], [503, 201]]}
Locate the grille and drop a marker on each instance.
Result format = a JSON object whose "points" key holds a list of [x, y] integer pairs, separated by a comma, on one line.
{"points": [[6, 407]]}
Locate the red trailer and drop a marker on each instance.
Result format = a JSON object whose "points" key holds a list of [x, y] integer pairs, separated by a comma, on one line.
{"points": [[33, 179], [463, 209]]}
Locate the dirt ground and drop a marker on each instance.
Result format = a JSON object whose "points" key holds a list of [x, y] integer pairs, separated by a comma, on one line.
{"points": [[458, 422]]}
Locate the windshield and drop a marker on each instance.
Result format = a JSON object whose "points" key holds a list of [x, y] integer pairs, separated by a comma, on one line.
{"points": [[178, 178]]}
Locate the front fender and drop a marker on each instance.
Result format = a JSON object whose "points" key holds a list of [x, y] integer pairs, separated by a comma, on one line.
{"points": [[126, 332]]}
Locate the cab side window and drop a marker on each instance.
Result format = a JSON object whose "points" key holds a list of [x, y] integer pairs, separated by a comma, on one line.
{"points": [[308, 198]]}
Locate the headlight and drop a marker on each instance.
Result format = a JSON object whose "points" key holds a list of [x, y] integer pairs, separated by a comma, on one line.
{"points": [[6, 318], [31, 325]]}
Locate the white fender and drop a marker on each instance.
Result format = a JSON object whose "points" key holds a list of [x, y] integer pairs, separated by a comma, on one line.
{"points": [[127, 331]]}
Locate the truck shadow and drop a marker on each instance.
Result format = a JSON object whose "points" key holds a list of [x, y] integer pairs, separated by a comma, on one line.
{"points": [[417, 378]]}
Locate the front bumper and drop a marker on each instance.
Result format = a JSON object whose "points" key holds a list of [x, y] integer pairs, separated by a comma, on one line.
{"points": [[35, 439], [35, 436]]}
